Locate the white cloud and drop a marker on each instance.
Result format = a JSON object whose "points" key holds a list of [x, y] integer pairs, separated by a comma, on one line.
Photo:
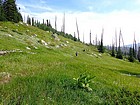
{"points": [[42, 1]]}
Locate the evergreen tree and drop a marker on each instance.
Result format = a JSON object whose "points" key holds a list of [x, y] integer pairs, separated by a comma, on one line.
{"points": [[119, 54], [11, 12], [47, 22], [133, 51], [101, 47], [2, 15], [33, 22], [75, 39], [135, 48], [50, 24], [113, 51], [43, 22], [139, 54], [131, 57]]}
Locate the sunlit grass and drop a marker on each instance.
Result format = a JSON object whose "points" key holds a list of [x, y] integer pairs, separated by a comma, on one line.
{"points": [[45, 75]]}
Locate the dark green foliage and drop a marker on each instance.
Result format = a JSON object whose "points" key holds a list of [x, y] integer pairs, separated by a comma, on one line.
{"points": [[113, 51], [133, 51], [43, 21], [28, 20], [48, 23], [75, 39], [33, 22], [83, 81], [139, 54], [11, 12], [101, 47], [119, 54], [2, 15], [48, 27], [131, 56]]}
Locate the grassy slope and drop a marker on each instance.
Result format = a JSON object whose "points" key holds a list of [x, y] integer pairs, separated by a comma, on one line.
{"points": [[45, 75]]}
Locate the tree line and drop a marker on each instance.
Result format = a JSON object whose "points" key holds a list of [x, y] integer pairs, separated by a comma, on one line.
{"points": [[131, 53], [9, 11], [47, 26]]}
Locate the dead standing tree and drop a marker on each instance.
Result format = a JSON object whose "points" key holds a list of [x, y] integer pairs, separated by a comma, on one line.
{"points": [[134, 48], [63, 25], [56, 23], [77, 30], [90, 38]]}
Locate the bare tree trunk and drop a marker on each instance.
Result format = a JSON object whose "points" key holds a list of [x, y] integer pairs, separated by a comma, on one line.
{"points": [[83, 38], [90, 37], [77, 30], [135, 48], [63, 26], [116, 39], [96, 40], [55, 22]]}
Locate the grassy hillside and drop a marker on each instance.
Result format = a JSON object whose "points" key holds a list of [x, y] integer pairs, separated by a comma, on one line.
{"points": [[38, 69]]}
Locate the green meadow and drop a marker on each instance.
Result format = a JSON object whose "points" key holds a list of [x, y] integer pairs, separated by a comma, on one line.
{"points": [[39, 69]]}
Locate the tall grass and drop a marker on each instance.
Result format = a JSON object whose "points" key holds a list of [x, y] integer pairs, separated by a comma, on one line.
{"points": [[45, 75]]}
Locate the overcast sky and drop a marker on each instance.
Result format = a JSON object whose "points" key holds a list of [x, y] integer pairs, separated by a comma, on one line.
{"points": [[91, 15]]}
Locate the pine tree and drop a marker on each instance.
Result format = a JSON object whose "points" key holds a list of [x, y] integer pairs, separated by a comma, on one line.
{"points": [[75, 39], [139, 54], [11, 12], [2, 15], [135, 48], [50, 24], [43, 22], [113, 51], [33, 22], [101, 47], [47, 22], [131, 58]]}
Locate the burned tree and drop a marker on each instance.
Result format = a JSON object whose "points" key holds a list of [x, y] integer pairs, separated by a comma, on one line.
{"points": [[119, 52], [101, 47], [90, 37], [77, 30]]}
